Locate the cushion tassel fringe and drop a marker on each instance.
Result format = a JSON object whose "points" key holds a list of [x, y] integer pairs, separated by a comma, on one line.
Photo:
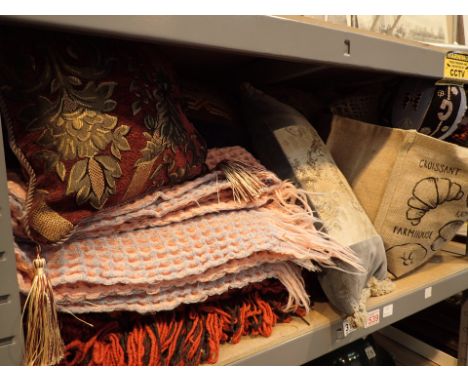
{"points": [[245, 179], [44, 344], [374, 288]]}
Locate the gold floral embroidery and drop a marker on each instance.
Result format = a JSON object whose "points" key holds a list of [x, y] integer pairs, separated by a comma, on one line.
{"points": [[74, 125], [93, 180], [154, 95], [81, 133], [85, 133]]}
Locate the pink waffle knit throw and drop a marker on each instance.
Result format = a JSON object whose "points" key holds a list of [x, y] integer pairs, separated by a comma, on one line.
{"points": [[184, 244]]}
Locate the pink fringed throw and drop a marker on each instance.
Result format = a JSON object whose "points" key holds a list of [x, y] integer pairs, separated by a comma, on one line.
{"points": [[184, 244]]}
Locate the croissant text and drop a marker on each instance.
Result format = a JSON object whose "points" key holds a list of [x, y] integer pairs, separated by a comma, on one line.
{"points": [[438, 167]]}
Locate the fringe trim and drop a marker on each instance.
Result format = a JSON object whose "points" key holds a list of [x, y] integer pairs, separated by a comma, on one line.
{"points": [[294, 283], [374, 288], [380, 287], [43, 345], [296, 227], [191, 335], [359, 317], [245, 180]]}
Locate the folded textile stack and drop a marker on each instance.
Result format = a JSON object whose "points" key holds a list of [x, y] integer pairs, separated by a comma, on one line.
{"points": [[184, 244]]}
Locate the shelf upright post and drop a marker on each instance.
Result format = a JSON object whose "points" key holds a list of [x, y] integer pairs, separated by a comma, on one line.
{"points": [[463, 332], [11, 333]]}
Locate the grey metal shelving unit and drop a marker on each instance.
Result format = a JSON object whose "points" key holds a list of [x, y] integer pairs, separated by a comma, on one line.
{"points": [[294, 39], [11, 334]]}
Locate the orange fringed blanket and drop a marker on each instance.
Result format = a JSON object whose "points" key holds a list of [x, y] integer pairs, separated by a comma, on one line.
{"points": [[189, 335]]}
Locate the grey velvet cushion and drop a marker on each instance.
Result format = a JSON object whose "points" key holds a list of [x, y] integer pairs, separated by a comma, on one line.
{"points": [[286, 143], [345, 290]]}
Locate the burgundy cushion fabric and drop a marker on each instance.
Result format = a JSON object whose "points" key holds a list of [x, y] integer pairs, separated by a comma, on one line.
{"points": [[99, 121]]}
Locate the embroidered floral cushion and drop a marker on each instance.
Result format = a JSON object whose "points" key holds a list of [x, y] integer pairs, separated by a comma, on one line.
{"points": [[99, 122]]}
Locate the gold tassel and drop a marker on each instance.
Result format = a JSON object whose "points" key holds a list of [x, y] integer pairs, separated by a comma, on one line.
{"points": [[244, 179], [44, 345]]}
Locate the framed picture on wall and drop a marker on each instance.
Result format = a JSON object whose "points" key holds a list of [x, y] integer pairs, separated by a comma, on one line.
{"points": [[432, 29]]}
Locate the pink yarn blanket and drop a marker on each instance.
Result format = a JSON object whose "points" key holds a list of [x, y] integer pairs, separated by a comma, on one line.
{"points": [[184, 244]]}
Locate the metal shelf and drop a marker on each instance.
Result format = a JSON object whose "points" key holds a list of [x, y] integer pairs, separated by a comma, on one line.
{"points": [[293, 38], [296, 343], [11, 333]]}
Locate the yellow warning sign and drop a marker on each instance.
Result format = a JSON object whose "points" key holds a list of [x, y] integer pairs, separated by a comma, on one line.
{"points": [[456, 66]]}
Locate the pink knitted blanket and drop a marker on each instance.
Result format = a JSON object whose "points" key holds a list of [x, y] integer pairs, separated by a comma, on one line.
{"points": [[184, 244]]}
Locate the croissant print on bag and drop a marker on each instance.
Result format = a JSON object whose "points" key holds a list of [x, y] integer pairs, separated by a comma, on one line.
{"points": [[446, 232], [428, 194]]}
